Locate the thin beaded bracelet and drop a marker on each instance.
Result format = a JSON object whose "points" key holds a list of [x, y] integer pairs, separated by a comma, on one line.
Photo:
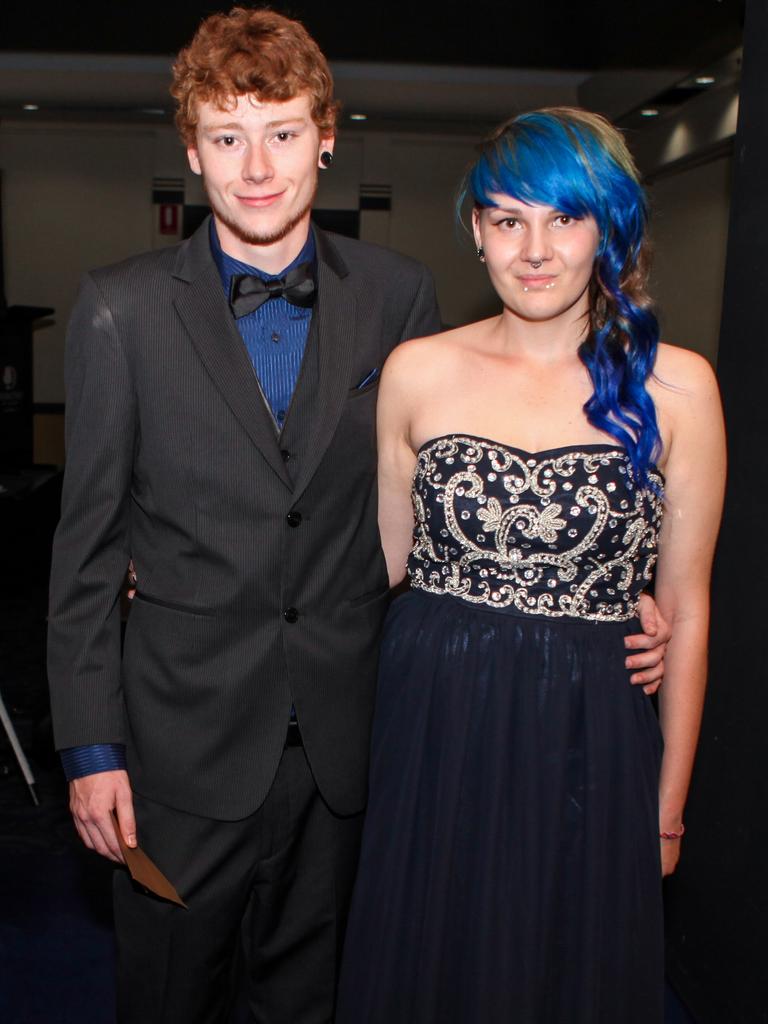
{"points": [[673, 835]]}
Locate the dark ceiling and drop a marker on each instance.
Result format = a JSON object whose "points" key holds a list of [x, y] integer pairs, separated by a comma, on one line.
{"points": [[564, 34]]}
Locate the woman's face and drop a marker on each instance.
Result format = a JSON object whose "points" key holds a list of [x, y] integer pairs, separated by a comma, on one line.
{"points": [[540, 260]]}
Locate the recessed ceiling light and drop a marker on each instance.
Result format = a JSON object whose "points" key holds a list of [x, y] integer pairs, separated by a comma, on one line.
{"points": [[30, 106], [358, 117], [649, 112], [704, 80]]}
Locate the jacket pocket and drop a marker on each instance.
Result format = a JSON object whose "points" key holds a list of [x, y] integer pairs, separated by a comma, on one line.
{"points": [[359, 392], [185, 609]]}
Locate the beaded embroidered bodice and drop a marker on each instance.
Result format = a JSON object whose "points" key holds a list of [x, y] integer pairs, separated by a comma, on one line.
{"points": [[562, 533]]}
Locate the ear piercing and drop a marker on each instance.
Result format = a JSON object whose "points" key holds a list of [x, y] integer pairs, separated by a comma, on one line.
{"points": [[326, 158], [480, 253]]}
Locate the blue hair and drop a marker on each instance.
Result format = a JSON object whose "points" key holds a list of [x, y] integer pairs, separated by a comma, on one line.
{"points": [[578, 163]]}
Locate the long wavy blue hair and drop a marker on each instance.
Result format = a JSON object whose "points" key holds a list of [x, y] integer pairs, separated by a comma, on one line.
{"points": [[578, 163]]}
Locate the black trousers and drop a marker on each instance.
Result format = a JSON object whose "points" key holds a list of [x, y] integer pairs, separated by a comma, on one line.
{"points": [[277, 883]]}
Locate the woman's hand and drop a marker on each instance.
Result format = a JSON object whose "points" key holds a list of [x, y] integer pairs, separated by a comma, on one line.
{"points": [[670, 855], [648, 665]]}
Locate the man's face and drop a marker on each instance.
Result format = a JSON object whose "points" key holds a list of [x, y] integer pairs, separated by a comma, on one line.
{"points": [[259, 163]]}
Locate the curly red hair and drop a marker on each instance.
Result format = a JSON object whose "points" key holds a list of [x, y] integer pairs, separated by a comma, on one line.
{"points": [[249, 51]]}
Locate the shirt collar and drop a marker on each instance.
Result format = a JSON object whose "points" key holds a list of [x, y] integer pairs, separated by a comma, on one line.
{"points": [[229, 266]]}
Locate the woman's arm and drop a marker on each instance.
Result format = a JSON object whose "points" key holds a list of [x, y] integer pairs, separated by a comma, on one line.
{"points": [[689, 404], [397, 460]]}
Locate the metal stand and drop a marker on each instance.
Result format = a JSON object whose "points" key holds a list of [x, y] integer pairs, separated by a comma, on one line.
{"points": [[10, 732]]}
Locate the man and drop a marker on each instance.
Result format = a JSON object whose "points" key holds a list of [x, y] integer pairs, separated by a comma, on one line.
{"points": [[221, 434]]}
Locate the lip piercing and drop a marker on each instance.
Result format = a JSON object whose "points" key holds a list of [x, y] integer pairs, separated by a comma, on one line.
{"points": [[551, 284]]}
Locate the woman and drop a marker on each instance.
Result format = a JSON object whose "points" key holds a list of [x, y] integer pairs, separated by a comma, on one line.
{"points": [[521, 813]]}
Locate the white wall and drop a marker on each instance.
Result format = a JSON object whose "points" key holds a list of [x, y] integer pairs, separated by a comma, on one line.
{"points": [[690, 232], [425, 175], [73, 198]]}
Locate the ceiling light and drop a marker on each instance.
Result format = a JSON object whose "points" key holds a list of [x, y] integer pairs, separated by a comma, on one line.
{"points": [[30, 106], [704, 80], [358, 117], [649, 112]]}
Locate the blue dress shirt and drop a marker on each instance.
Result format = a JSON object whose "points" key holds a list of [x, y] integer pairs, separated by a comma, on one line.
{"points": [[275, 336]]}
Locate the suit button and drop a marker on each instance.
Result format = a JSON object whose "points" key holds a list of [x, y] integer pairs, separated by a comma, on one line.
{"points": [[285, 453], [293, 518], [291, 615]]}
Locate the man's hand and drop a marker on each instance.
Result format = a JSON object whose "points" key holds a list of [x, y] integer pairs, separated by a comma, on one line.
{"points": [[91, 799], [652, 642]]}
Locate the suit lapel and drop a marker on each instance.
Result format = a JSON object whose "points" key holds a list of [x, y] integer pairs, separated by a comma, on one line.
{"points": [[206, 316], [334, 319]]}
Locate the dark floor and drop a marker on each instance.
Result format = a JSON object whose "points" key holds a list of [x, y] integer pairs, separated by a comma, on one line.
{"points": [[56, 946], [56, 951]]}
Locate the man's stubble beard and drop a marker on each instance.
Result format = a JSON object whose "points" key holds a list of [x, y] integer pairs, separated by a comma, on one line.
{"points": [[254, 237]]}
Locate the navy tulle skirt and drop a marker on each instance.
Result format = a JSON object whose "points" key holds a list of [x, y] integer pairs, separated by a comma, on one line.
{"points": [[510, 865]]}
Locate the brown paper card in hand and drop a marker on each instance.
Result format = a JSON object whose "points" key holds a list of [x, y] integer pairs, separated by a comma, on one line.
{"points": [[144, 871]]}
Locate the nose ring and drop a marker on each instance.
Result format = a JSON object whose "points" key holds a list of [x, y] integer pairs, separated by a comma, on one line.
{"points": [[535, 264]]}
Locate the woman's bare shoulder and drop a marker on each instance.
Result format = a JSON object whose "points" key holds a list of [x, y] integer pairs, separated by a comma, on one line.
{"points": [[687, 398], [681, 370], [434, 353]]}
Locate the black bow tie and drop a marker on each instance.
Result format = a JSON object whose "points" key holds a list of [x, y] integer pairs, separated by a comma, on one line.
{"points": [[247, 291]]}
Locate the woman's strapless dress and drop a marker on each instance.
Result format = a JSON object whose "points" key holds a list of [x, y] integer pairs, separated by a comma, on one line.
{"points": [[510, 864]]}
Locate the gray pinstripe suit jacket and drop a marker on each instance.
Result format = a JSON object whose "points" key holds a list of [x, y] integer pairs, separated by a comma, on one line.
{"points": [[173, 459]]}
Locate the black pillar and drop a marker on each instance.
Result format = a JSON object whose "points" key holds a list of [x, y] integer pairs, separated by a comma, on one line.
{"points": [[717, 906]]}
